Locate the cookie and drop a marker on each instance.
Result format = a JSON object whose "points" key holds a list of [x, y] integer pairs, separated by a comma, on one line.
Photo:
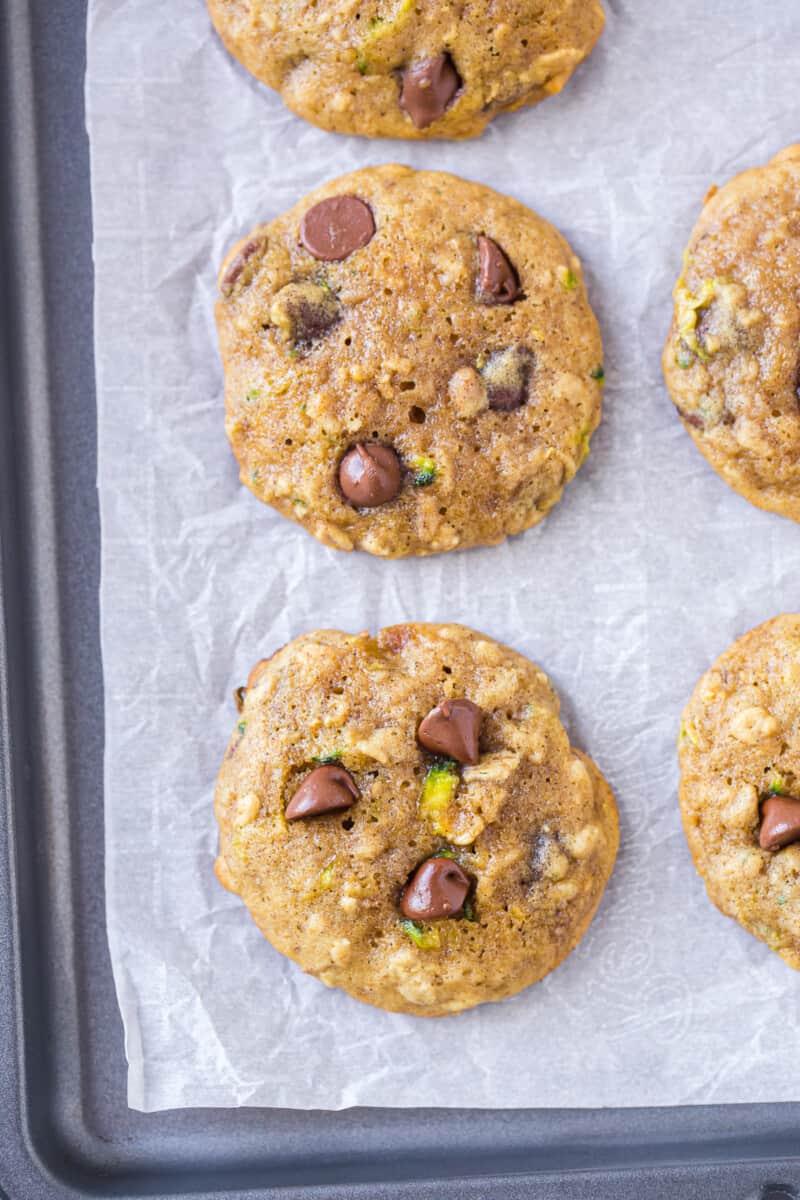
{"points": [[406, 69], [411, 363], [732, 359], [739, 751], [404, 816]]}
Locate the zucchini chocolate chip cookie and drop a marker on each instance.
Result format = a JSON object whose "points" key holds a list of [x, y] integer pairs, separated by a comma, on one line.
{"points": [[732, 359], [409, 68], [739, 752], [405, 818], [411, 363]]}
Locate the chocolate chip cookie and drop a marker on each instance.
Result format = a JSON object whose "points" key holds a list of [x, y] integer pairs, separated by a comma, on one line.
{"points": [[739, 751], [732, 359], [411, 363], [404, 816], [401, 68]]}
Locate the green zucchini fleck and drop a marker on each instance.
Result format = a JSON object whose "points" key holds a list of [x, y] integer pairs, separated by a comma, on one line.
{"points": [[776, 786], [438, 791], [425, 939], [324, 760], [424, 471]]}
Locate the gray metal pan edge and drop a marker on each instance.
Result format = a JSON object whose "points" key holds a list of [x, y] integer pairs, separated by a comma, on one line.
{"points": [[65, 1129]]}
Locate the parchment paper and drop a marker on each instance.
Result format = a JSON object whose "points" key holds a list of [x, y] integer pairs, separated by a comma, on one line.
{"points": [[647, 570]]}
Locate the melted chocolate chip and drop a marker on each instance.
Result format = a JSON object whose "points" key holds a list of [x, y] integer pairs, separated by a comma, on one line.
{"points": [[780, 822], [428, 88], [335, 227], [438, 888], [452, 729], [507, 377], [498, 282], [231, 276], [370, 475], [304, 312], [326, 789]]}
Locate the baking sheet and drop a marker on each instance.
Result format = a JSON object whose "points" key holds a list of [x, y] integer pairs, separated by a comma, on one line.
{"points": [[648, 568]]}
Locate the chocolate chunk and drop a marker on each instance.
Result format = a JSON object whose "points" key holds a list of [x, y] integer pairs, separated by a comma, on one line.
{"points": [[780, 822], [452, 729], [507, 377], [428, 89], [370, 475], [231, 276], [334, 228], [438, 888], [304, 312], [326, 789], [498, 282]]}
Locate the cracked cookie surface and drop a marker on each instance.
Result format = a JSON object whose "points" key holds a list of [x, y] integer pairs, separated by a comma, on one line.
{"points": [[739, 751], [732, 358], [409, 68], [415, 882], [411, 363]]}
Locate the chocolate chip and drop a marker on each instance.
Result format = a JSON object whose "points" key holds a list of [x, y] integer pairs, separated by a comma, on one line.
{"points": [[507, 377], [326, 789], [304, 312], [238, 696], [231, 276], [428, 88], [452, 729], [780, 822], [334, 228], [438, 888], [498, 282], [370, 475]]}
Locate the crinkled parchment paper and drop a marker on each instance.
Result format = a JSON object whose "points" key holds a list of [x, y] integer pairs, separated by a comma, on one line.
{"points": [[648, 569]]}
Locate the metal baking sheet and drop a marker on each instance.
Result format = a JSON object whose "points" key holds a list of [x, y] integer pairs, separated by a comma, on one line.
{"points": [[65, 1129]]}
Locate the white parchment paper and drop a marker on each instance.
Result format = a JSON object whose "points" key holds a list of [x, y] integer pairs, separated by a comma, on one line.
{"points": [[648, 569]]}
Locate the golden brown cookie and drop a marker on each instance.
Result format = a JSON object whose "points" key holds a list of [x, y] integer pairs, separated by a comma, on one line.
{"points": [[405, 68], [404, 816], [732, 358], [739, 751], [411, 363]]}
